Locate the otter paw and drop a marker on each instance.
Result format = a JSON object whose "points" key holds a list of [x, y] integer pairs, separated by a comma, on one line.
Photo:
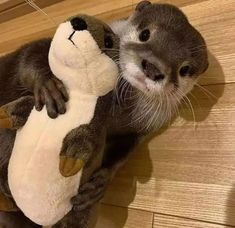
{"points": [[6, 204], [5, 119], [70, 166]]}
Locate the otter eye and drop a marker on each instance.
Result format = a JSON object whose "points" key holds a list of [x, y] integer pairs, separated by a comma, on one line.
{"points": [[144, 35], [108, 42], [185, 70]]}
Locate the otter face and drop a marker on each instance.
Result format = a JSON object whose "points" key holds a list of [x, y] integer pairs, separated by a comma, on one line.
{"points": [[161, 53], [80, 55]]}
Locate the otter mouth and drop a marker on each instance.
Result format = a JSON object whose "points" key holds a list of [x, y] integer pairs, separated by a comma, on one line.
{"points": [[139, 82], [70, 38]]}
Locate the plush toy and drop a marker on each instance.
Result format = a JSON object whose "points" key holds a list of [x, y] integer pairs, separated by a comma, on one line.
{"points": [[50, 155]]}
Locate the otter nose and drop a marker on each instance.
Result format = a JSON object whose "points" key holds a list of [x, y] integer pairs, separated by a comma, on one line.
{"points": [[151, 71], [78, 24]]}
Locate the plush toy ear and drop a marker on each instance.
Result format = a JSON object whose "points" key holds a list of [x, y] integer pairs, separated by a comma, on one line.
{"points": [[141, 5]]}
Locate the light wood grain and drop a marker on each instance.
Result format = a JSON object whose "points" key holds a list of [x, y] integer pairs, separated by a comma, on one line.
{"points": [[188, 169], [164, 221], [117, 217], [13, 9], [7, 4]]}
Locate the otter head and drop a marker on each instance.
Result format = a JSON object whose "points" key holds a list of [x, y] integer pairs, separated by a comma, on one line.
{"points": [[80, 55], [162, 56]]}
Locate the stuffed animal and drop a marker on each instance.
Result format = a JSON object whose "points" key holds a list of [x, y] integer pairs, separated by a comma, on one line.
{"points": [[50, 155]]}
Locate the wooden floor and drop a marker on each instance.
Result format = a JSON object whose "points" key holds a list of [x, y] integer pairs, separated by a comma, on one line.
{"points": [[185, 175]]}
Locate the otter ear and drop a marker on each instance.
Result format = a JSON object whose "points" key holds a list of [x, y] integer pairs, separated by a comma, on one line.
{"points": [[141, 5]]}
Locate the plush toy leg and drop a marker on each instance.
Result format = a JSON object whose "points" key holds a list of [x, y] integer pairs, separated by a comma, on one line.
{"points": [[7, 204], [5, 120], [14, 114], [78, 147]]}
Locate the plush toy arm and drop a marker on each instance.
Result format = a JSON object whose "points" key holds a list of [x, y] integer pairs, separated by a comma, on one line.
{"points": [[79, 147], [7, 138], [6, 201], [15, 114]]}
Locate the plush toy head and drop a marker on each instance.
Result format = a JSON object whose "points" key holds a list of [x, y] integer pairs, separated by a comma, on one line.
{"points": [[81, 55]]}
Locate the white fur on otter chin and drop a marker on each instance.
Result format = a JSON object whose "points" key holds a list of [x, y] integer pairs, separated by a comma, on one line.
{"points": [[151, 111]]}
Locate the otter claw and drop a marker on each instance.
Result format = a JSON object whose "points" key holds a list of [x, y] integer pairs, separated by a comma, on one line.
{"points": [[5, 120], [70, 166]]}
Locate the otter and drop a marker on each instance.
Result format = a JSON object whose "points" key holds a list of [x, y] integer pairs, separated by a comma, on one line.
{"points": [[161, 57]]}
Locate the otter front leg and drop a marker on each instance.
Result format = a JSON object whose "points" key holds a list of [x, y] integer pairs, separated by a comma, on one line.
{"points": [[117, 149], [15, 114], [78, 148]]}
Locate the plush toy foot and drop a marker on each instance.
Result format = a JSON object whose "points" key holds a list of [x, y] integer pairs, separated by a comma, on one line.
{"points": [[6, 204], [5, 120], [70, 166]]}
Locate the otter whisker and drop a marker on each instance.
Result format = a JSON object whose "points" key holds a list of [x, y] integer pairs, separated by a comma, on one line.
{"points": [[206, 91], [154, 116], [37, 8], [185, 98]]}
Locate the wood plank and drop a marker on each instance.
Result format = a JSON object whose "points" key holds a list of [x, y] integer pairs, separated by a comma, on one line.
{"points": [[7, 4], [24, 8], [164, 221], [117, 217], [206, 202], [185, 171]]}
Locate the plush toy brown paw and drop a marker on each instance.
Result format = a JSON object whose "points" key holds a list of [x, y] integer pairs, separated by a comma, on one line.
{"points": [[77, 149], [6, 204], [5, 119], [70, 166]]}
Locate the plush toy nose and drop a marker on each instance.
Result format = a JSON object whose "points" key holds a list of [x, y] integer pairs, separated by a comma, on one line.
{"points": [[78, 24]]}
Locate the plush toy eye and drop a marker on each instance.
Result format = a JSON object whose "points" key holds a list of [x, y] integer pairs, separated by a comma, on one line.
{"points": [[185, 70], [144, 35], [108, 42]]}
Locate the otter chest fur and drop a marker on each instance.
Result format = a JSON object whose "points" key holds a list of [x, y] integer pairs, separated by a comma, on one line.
{"points": [[37, 186]]}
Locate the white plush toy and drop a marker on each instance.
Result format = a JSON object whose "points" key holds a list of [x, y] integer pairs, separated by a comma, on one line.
{"points": [[36, 183]]}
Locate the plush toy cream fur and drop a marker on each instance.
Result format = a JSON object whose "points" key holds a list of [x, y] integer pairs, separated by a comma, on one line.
{"points": [[36, 184]]}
